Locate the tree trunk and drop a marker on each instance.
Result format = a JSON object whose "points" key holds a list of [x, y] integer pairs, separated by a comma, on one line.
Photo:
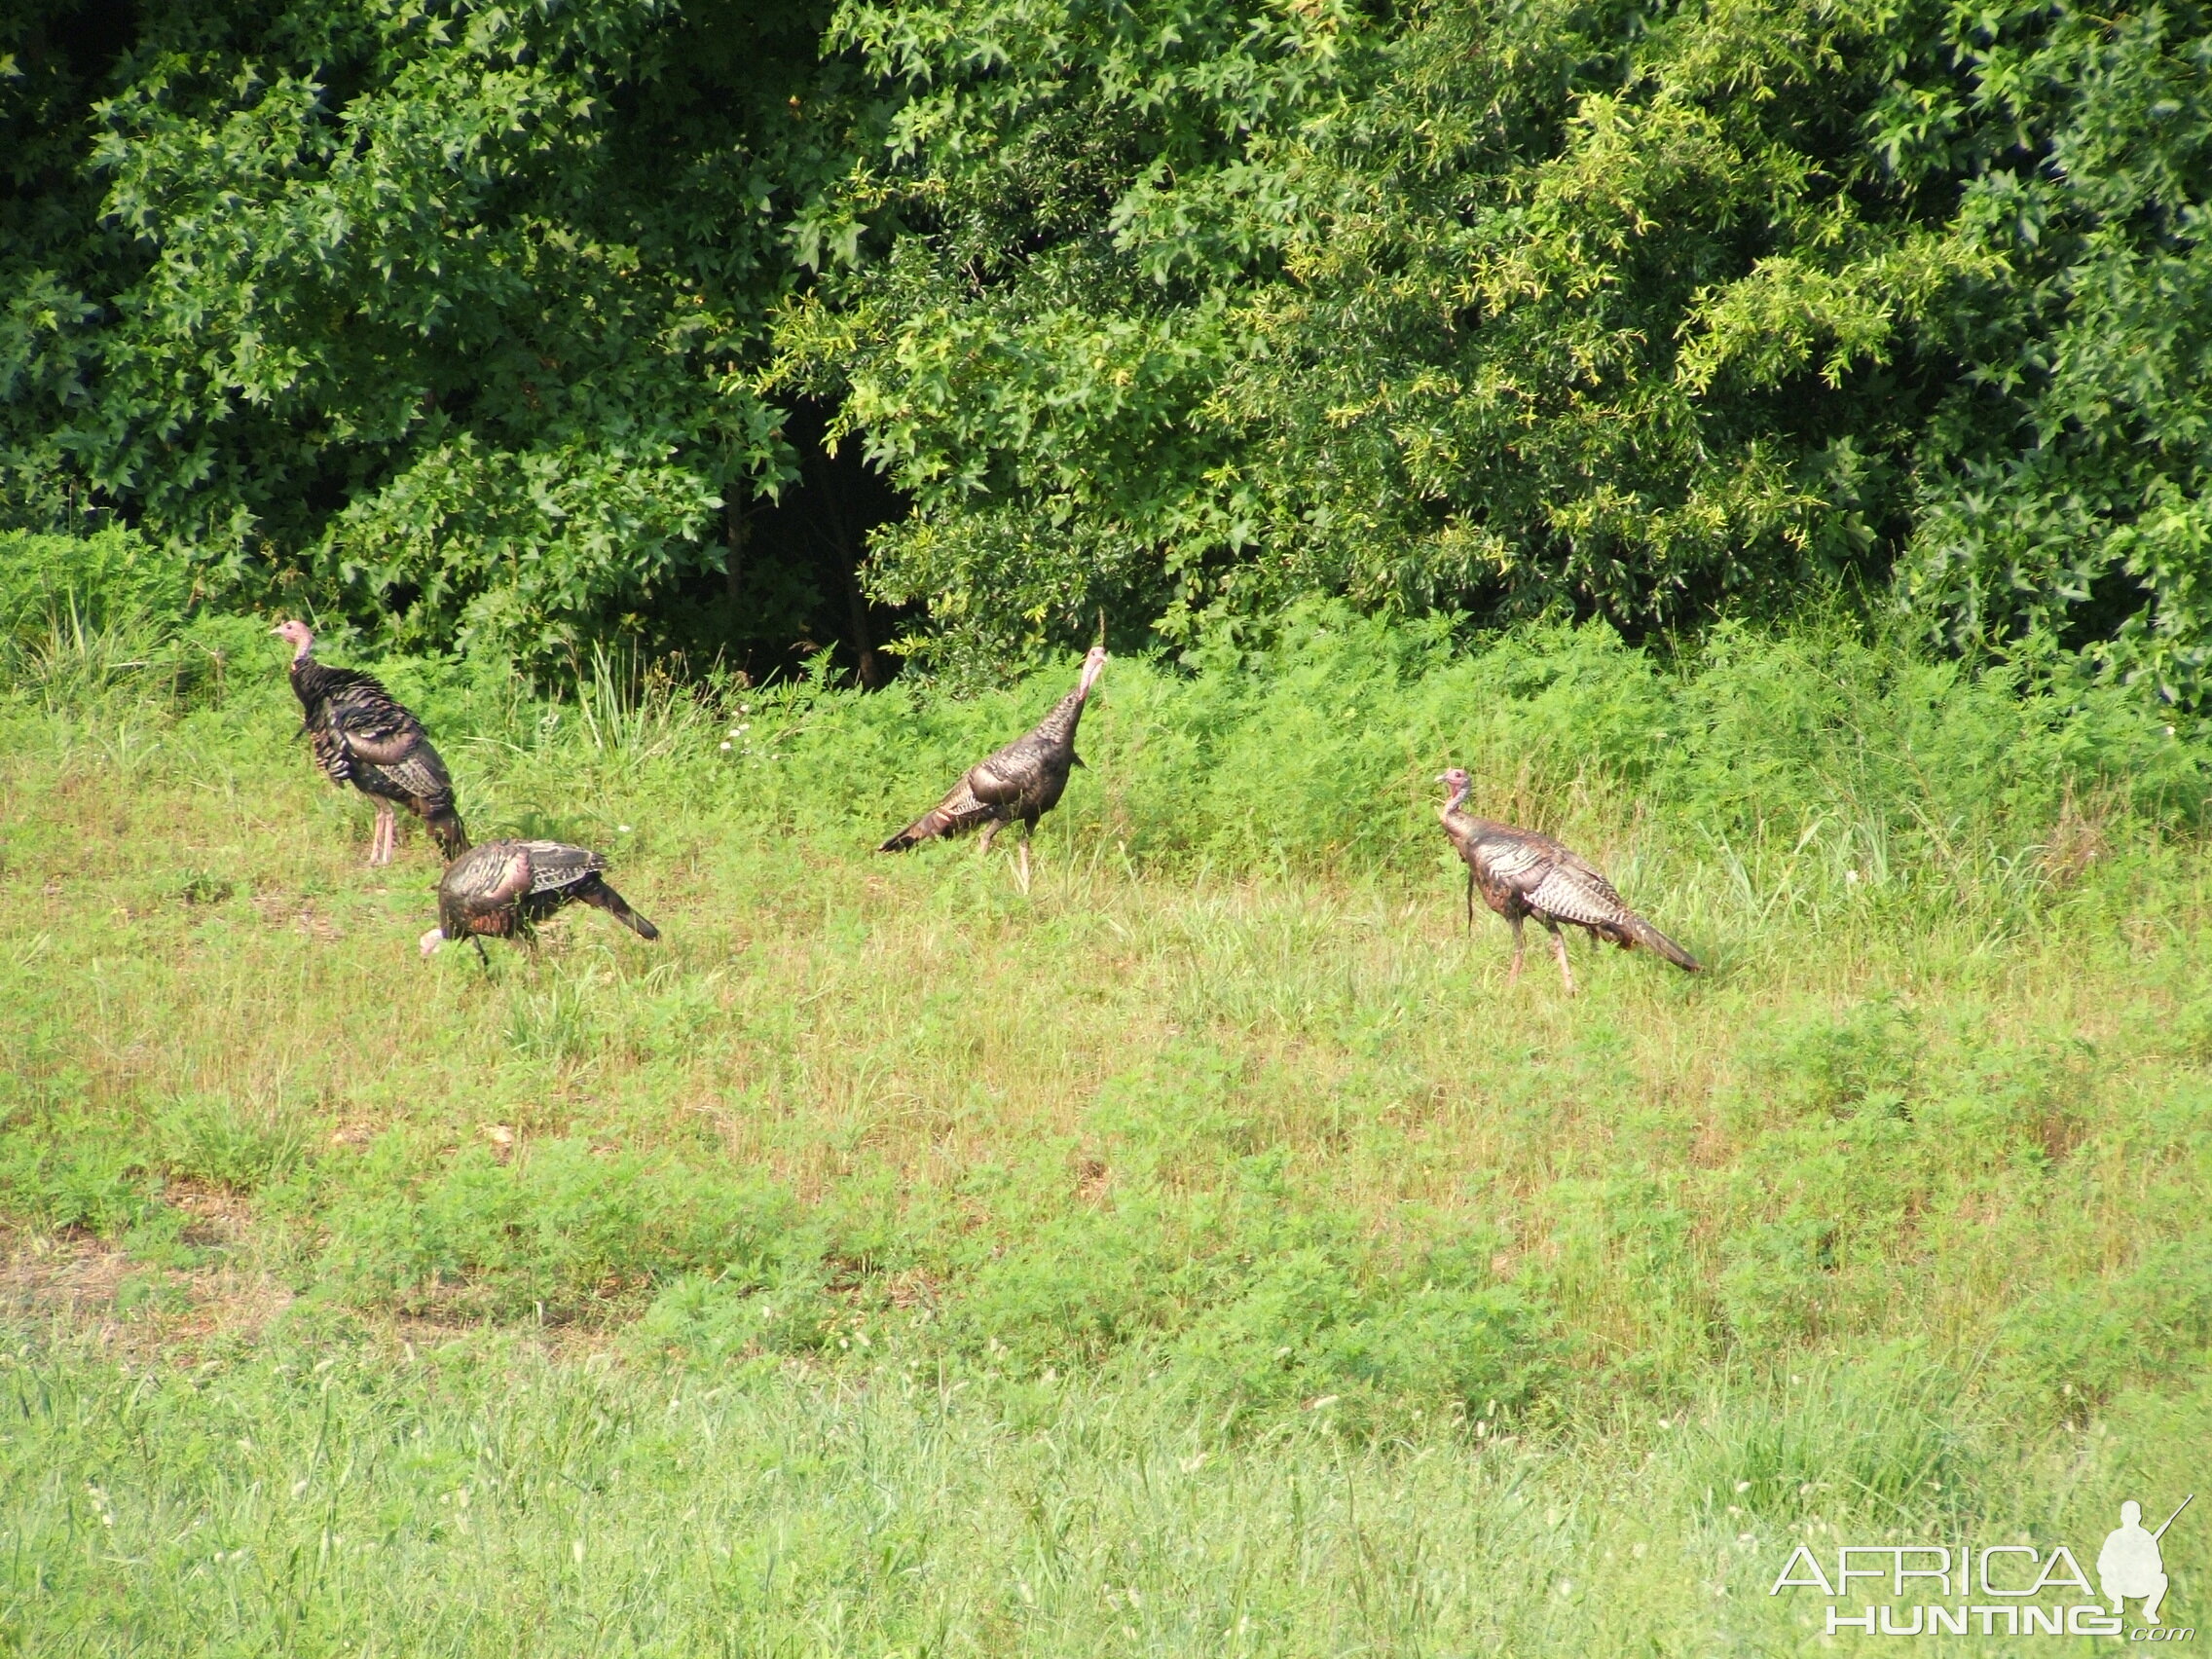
{"points": [[738, 526], [835, 528], [872, 679]]}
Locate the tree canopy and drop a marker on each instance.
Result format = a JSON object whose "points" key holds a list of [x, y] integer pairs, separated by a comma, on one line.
{"points": [[451, 312], [490, 322]]}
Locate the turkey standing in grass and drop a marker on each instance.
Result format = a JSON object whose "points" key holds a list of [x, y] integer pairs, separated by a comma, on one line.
{"points": [[1524, 874], [1020, 782], [364, 736], [506, 888]]}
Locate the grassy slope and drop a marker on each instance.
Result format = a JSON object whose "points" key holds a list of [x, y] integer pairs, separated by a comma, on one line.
{"points": [[1209, 1250]]}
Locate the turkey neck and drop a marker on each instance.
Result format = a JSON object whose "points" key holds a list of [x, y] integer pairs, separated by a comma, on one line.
{"points": [[1058, 728], [1453, 813], [311, 682]]}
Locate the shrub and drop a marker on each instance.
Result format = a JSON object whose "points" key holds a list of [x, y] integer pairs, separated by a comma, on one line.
{"points": [[93, 581], [2067, 1352], [65, 1170], [1319, 1326], [221, 1140], [566, 1227]]}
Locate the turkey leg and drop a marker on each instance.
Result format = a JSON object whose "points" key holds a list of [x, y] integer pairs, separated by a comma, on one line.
{"points": [[1520, 941], [379, 843], [1559, 950], [1021, 860]]}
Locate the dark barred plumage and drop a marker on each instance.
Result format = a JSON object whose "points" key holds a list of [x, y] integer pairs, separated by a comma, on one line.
{"points": [[503, 889], [362, 735], [1521, 873], [1017, 785]]}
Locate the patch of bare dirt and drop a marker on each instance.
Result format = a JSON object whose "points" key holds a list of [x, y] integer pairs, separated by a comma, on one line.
{"points": [[136, 1309], [277, 910]]}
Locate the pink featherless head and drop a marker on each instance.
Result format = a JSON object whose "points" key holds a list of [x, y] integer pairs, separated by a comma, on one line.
{"points": [[1093, 665]]}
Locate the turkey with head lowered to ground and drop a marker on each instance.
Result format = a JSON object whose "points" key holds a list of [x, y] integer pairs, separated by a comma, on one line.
{"points": [[503, 889]]}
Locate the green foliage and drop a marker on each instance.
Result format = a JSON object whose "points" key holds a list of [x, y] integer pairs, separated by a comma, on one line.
{"points": [[2069, 1351], [62, 1171], [1882, 1440], [711, 1320], [88, 581], [487, 325], [569, 1225], [1523, 308], [447, 309], [1308, 1329], [479, 1493], [229, 1143], [1868, 774]]}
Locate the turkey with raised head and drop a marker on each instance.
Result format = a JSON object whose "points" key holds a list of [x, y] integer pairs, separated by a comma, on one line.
{"points": [[1521, 873], [503, 889], [362, 735], [1019, 783]]}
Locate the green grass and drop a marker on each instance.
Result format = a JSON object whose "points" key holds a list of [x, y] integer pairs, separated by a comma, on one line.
{"points": [[1209, 1251], [328, 1493]]}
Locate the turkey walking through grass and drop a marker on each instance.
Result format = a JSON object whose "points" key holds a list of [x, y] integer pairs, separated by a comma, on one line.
{"points": [[1521, 873], [1019, 783]]}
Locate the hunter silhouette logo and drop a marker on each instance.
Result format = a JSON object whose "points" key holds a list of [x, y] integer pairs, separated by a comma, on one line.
{"points": [[1996, 1589], [2130, 1565]]}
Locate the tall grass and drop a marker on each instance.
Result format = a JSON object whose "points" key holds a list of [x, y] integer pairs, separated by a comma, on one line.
{"points": [[327, 1495]]}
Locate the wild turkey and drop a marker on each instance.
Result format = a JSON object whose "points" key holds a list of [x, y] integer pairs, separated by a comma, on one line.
{"points": [[1522, 874], [505, 889], [1019, 783], [364, 736]]}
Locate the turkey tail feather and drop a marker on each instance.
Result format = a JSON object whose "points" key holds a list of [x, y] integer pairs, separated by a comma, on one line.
{"points": [[452, 836], [613, 903], [960, 810], [1652, 939], [925, 828]]}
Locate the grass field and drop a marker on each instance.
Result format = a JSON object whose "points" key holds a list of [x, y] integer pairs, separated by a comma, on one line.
{"points": [[1207, 1252]]}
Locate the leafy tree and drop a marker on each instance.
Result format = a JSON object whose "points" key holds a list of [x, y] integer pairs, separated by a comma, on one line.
{"points": [[501, 321], [2061, 481], [1556, 304], [445, 309]]}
